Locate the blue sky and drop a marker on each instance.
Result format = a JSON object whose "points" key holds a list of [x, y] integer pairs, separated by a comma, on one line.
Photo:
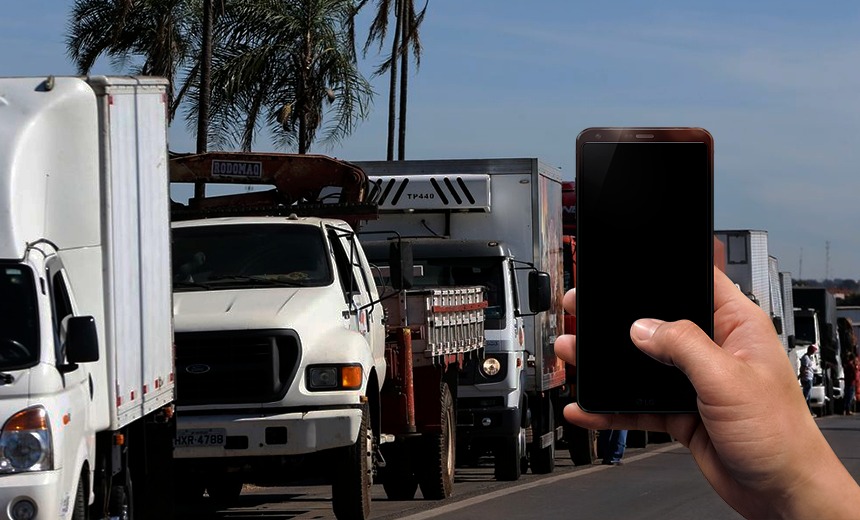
{"points": [[776, 83]]}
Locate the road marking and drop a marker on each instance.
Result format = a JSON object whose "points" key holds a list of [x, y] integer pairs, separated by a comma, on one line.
{"points": [[439, 511]]}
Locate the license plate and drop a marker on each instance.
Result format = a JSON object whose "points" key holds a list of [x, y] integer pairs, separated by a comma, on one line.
{"points": [[199, 438]]}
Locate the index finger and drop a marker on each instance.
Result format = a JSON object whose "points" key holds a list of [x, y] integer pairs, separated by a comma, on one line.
{"points": [[568, 302]]}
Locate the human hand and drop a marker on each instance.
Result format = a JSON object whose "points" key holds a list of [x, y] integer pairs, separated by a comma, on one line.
{"points": [[753, 438]]}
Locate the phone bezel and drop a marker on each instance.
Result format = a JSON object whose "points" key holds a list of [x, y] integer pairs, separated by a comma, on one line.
{"points": [[649, 404]]}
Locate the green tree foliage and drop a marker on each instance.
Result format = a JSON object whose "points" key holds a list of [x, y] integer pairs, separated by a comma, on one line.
{"points": [[289, 66], [286, 65], [146, 37], [407, 22]]}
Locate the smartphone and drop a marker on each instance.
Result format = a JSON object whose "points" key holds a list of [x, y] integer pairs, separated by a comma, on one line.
{"points": [[644, 249]]}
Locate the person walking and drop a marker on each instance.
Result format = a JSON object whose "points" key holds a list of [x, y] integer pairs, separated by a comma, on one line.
{"points": [[611, 444], [852, 377], [807, 371]]}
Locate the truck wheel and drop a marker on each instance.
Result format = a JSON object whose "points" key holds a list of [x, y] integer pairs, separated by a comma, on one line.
{"points": [[398, 479], [224, 489], [436, 474], [659, 438], [580, 444], [543, 459], [80, 508], [508, 457], [350, 489], [119, 504], [636, 439], [189, 490]]}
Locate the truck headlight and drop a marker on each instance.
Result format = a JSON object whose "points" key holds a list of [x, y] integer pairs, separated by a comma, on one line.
{"points": [[334, 377], [25, 442], [491, 366]]}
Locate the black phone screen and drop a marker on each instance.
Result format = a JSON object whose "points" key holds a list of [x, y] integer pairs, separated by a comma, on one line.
{"points": [[644, 250]]}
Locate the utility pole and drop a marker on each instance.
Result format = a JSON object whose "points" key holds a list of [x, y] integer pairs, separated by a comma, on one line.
{"points": [[800, 267], [827, 260]]}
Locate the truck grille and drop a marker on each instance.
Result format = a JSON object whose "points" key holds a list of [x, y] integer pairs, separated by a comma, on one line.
{"points": [[232, 367]]}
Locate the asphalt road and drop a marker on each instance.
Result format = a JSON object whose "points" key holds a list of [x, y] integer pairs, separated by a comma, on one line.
{"points": [[660, 481]]}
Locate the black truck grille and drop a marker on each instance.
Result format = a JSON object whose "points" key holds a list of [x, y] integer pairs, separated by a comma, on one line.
{"points": [[229, 367]]}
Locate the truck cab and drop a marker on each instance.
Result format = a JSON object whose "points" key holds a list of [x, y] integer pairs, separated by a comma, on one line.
{"points": [[280, 334], [489, 401]]}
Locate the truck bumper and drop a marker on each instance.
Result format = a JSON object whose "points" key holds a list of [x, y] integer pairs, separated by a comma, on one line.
{"points": [[41, 488], [485, 423], [292, 433]]}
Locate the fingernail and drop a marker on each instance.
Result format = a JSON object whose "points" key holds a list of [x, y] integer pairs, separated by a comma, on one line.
{"points": [[644, 329]]}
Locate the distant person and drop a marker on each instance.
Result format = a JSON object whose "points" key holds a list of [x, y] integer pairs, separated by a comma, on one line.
{"points": [[849, 369], [612, 444], [753, 436], [807, 371]]}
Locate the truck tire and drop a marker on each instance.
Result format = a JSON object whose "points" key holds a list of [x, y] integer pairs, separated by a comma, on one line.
{"points": [[436, 471], [189, 490], [636, 439], [79, 511], [580, 445], [350, 489], [508, 457], [119, 503], [542, 460], [224, 489], [398, 478]]}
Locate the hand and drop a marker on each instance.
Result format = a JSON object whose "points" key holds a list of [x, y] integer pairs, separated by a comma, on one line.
{"points": [[754, 438]]}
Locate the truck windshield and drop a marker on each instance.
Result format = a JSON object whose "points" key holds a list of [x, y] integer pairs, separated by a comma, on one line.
{"points": [[804, 330], [258, 255], [19, 318], [486, 272]]}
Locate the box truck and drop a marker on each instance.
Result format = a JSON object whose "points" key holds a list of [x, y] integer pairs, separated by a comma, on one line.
{"points": [[86, 362], [495, 223]]}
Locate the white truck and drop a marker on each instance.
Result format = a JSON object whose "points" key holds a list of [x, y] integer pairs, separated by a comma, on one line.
{"points": [[86, 341], [283, 353], [755, 271], [495, 223]]}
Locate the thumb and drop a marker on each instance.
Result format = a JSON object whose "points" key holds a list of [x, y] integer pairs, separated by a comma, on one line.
{"points": [[680, 343]]}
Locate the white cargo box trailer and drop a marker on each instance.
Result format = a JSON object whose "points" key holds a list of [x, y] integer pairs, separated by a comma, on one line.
{"points": [[778, 311], [136, 255], [747, 263]]}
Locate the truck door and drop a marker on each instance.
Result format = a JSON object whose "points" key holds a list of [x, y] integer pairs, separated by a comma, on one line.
{"points": [[75, 405], [358, 288]]}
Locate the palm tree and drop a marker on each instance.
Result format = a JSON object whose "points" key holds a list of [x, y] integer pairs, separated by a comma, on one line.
{"points": [[147, 37], [406, 26], [289, 66]]}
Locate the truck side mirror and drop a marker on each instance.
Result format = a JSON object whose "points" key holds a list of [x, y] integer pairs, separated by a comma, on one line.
{"points": [[539, 291], [82, 343], [777, 324], [400, 262]]}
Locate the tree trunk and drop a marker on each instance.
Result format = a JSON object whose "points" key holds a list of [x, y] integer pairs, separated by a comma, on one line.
{"points": [[205, 89], [404, 80], [392, 83]]}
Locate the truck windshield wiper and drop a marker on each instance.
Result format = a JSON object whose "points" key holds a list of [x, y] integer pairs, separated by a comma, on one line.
{"points": [[267, 280], [185, 285]]}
